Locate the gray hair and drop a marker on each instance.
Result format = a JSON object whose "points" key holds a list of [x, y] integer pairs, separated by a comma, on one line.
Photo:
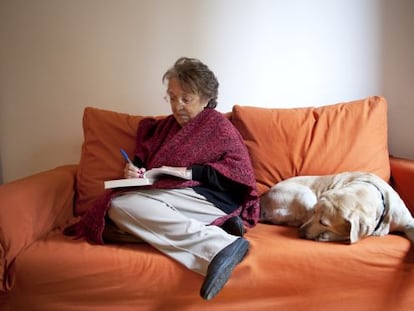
{"points": [[196, 77]]}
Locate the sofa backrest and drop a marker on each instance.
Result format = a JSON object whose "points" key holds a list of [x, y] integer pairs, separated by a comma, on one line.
{"points": [[325, 140], [282, 143]]}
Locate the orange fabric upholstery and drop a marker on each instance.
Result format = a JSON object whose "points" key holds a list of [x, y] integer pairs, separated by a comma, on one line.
{"points": [[29, 209], [403, 179], [315, 141], [281, 272], [41, 269], [105, 133]]}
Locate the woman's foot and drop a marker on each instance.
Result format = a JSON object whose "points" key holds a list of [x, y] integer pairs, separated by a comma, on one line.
{"points": [[221, 267], [234, 226]]}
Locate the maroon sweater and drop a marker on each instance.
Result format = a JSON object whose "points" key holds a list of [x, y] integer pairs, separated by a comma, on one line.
{"points": [[208, 139]]}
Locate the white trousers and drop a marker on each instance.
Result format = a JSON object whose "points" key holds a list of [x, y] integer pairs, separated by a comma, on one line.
{"points": [[175, 221]]}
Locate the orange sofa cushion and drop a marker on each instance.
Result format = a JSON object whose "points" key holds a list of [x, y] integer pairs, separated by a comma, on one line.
{"points": [[330, 139], [105, 133], [280, 272]]}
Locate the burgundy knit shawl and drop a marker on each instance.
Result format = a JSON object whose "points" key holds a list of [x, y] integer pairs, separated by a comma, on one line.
{"points": [[208, 139]]}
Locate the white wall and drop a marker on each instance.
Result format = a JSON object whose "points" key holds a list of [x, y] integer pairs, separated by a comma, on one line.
{"points": [[398, 74], [59, 56]]}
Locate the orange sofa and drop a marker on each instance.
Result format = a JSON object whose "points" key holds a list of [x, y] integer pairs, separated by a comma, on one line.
{"points": [[41, 269]]}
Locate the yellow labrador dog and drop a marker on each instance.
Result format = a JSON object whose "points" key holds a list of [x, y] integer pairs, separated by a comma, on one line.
{"points": [[339, 207]]}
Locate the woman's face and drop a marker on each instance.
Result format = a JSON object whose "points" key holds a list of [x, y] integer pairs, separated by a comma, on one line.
{"points": [[185, 106]]}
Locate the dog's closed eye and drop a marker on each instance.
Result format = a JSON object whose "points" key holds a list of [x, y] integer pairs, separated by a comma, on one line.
{"points": [[324, 222]]}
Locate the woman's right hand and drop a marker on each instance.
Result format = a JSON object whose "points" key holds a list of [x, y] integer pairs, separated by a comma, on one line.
{"points": [[131, 171]]}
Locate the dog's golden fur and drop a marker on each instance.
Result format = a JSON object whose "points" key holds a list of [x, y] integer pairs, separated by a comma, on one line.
{"points": [[339, 207]]}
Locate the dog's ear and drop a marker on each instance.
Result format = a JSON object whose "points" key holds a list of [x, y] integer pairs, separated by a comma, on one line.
{"points": [[355, 229], [359, 228]]}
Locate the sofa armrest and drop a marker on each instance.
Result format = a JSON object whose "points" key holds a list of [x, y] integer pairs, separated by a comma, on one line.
{"points": [[29, 209], [402, 179]]}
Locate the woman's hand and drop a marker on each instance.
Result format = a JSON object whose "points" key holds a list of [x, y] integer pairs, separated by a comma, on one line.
{"points": [[131, 171]]}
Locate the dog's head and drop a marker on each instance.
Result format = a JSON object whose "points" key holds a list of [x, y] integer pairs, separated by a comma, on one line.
{"points": [[340, 215]]}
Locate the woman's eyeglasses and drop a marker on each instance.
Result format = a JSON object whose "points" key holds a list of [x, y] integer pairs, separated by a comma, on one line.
{"points": [[173, 100]]}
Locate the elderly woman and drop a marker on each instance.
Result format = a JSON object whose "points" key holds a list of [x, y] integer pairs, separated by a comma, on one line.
{"points": [[197, 221]]}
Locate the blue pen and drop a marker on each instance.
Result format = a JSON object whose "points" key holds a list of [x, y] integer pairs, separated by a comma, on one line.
{"points": [[125, 155]]}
